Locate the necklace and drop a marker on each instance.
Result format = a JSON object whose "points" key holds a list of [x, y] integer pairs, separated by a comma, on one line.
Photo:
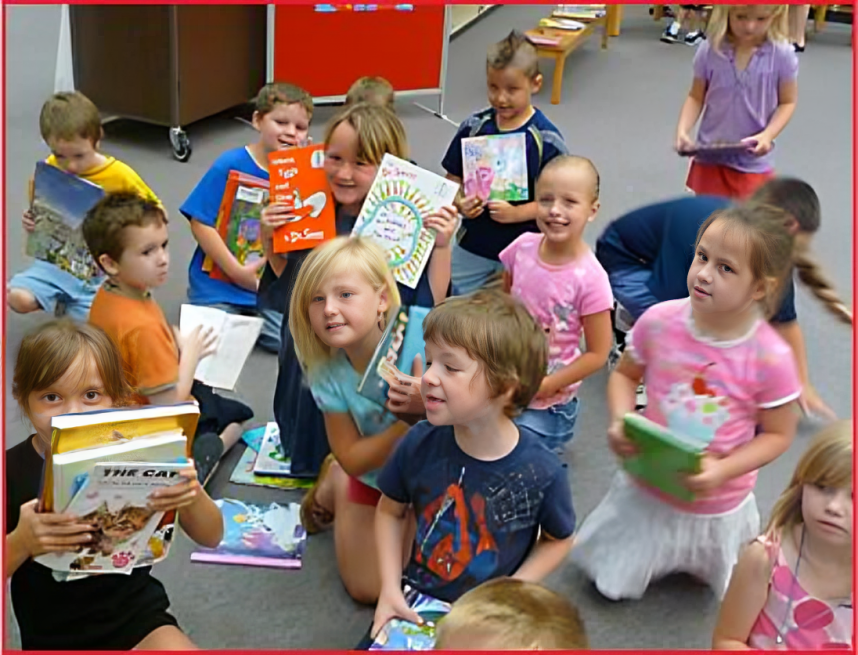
{"points": [[783, 629]]}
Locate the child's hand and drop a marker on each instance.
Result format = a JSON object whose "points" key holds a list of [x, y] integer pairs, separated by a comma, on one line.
{"points": [[181, 494], [29, 220], [812, 404], [248, 277], [759, 144], [547, 389], [502, 212], [273, 216], [444, 222], [199, 343], [711, 475], [619, 442], [50, 532], [404, 393], [470, 206], [392, 605], [683, 143]]}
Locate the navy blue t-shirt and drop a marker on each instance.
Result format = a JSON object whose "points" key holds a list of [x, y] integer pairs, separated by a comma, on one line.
{"points": [[483, 236], [476, 520]]}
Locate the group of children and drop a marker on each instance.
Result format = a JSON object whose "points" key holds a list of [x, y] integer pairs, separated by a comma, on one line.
{"points": [[454, 486]]}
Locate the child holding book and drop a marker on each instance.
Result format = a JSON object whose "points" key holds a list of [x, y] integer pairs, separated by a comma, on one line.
{"points": [[715, 372], [71, 126], [512, 76], [565, 289], [792, 587], [68, 368], [745, 86]]}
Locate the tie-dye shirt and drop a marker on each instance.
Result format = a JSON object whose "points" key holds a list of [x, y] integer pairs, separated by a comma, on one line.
{"points": [[709, 390], [558, 297]]}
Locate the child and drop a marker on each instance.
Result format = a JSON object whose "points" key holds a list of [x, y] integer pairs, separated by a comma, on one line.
{"points": [[715, 369], [692, 20], [512, 73], [71, 126], [490, 500], [67, 368], [510, 614], [127, 237], [745, 86], [792, 587], [373, 90], [282, 117], [565, 289]]}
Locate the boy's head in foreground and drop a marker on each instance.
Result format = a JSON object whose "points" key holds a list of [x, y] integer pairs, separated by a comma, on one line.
{"points": [[510, 614], [372, 90], [282, 115], [512, 74], [71, 126]]}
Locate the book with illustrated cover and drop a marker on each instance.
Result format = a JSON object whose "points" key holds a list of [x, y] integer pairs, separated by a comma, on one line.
{"points": [[400, 635], [559, 23], [59, 204], [243, 474], [298, 179], [495, 167], [393, 212], [271, 460]]}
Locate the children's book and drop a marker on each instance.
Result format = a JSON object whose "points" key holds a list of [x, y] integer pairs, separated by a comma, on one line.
{"points": [[559, 23], [392, 215], [715, 151], [236, 336], [298, 180], [401, 635], [243, 474], [664, 457], [580, 12], [271, 460], [59, 204], [495, 167], [257, 535], [412, 343]]}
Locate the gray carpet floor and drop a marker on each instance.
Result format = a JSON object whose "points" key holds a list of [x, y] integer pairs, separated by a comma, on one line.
{"points": [[619, 108]]}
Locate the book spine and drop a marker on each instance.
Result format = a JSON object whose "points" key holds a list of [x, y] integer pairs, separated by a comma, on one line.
{"points": [[246, 560]]}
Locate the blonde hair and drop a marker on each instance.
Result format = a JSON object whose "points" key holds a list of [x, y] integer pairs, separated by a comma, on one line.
{"points": [[827, 462], [355, 254], [576, 161], [511, 614], [718, 28], [372, 90], [378, 129], [70, 115]]}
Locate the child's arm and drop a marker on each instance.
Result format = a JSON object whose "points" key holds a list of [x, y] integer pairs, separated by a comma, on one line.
{"points": [[744, 600], [468, 206], [548, 553], [810, 401], [787, 98], [213, 245], [356, 454], [198, 515], [196, 346], [503, 212], [690, 113], [622, 393], [273, 216], [444, 223]]}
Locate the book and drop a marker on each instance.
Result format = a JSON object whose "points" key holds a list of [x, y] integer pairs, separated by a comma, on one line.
{"points": [[539, 39], [114, 497], [393, 212], [401, 635], [664, 456], [59, 204], [562, 23], [495, 167], [236, 336], [298, 179], [271, 460], [243, 474], [257, 535], [715, 151], [580, 12]]}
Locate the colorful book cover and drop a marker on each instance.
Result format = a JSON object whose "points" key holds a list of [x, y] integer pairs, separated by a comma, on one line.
{"points": [[271, 460], [393, 212], [495, 167], [412, 343], [257, 535], [243, 474], [59, 204], [298, 180], [400, 635]]}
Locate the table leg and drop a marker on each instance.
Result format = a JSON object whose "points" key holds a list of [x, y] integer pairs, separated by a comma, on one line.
{"points": [[615, 17], [605, 34], [557, 83]]}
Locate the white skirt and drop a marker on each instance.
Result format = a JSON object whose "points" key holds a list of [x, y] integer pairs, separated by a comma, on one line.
{"points": [[632, 538]]}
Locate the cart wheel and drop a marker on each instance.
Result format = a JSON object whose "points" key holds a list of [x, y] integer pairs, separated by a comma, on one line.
{"points": [[181, 144]]}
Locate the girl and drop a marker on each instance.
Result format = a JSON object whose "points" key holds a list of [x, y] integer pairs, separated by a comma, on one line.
{"points": [[714, 369], [356, 140], [342, 300], [792, 587], [566, 290], [66, 368], [745, 86]]}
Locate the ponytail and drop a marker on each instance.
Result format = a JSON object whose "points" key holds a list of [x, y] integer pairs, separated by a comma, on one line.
{"points": [[812, 276]]}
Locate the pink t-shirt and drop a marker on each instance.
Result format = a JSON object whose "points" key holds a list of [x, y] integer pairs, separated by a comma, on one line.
{"points": [[711, 390], [557, 297]]}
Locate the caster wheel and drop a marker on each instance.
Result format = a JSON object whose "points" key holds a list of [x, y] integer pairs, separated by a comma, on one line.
{"points": [[181, 144]]}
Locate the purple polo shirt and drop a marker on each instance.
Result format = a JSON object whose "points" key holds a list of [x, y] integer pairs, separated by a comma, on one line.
{"points": [[739, 104]]}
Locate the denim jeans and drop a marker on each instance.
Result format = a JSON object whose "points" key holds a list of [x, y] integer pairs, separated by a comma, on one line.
{"points": [[471, 272], [555, 425]]}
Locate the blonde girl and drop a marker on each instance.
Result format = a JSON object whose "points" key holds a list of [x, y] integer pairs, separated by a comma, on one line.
{"points": [[792, 587], [745, 86]]}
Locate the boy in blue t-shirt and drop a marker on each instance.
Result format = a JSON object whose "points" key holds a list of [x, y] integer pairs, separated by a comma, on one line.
{"points": [[489, 499], [282, 118], [512, 72]]}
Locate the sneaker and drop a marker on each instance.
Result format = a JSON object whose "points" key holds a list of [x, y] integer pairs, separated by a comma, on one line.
{"points": [[693, 38], [640, 398], [671, 34]]}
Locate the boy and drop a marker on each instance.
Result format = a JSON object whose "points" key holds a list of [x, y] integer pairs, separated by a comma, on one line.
{"points": [[509, 614], [692, 20], [282, 118], [127, 237], [373, 90], [489, 499], [513, 76], [71, 127]]}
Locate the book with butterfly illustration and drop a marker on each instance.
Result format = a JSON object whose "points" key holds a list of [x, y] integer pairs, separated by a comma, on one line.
{"points": [[392, 215], [298, 180], [401, 635], [495, 167]]}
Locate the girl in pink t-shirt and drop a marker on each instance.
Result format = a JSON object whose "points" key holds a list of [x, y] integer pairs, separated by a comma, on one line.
{"points": [[565, 289], [714, 370], [792, 587]]}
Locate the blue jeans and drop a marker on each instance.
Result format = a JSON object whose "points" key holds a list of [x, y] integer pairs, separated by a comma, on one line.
{"points": [[471, 272], [555, 425], [51, 285], [272, 321]]}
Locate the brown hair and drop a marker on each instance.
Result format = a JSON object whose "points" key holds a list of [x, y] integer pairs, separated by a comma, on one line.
{"points": [[282, 93], [379, 131], [514, 50], [575, 160], [70, 115], [510, 614], [105, 223], [373, 90], [497, 331], [47, 353]]}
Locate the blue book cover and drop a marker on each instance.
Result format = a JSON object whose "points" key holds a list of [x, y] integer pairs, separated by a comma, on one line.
{"points": [[400, 635]]}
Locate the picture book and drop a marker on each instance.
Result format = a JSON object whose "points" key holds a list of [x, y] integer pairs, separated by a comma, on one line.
{"points": [[580, 12], [298, 180], [236, 336], [271, 460], [59, 204], [392, 215], [257, 535], [559, 23], [495, 167], [243, 474], [114, 498], [400, 635], [716, 151], [664, 457]]}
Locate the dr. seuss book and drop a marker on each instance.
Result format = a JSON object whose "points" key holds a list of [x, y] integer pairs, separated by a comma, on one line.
{"points": [[298, 180], [495, 167], [59, 204], [393, 212], [257, 535], [401, 635]]}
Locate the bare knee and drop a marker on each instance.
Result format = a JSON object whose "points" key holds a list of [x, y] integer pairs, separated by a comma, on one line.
{"points": [[167, 637], [22, 301]]}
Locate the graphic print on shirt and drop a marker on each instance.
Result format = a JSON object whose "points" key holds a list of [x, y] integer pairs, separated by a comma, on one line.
{"points": [[695, 409]]}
